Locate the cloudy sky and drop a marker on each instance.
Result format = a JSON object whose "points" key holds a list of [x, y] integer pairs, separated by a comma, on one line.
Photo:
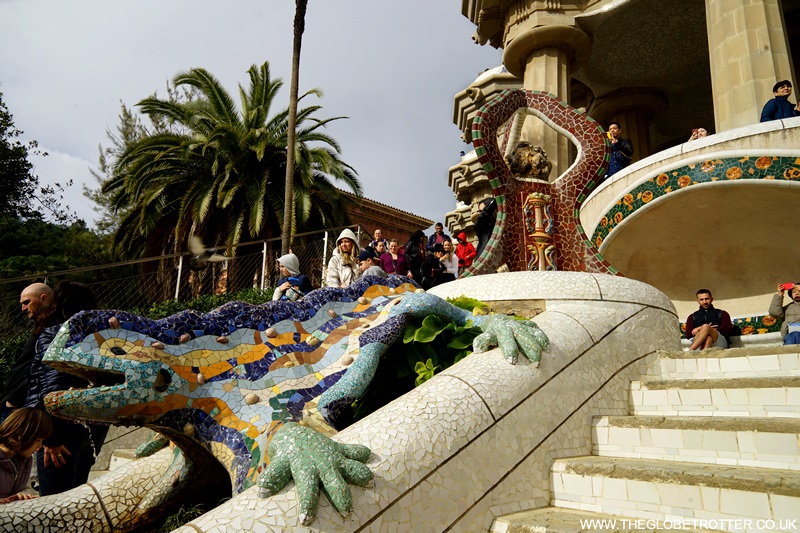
{"points": [[392, 67]]}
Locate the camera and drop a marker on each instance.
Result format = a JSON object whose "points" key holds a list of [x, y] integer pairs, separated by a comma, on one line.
{"points": [[787, 286]]}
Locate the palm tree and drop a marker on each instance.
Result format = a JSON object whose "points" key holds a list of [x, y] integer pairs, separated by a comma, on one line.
{"points": [[216, 173], [299, 27]]}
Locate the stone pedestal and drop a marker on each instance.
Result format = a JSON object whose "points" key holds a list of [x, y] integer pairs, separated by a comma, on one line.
{"points": [[748, 53]]}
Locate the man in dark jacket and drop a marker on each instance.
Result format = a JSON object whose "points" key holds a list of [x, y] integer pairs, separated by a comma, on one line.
{"points": [[484, 223], [621, 150], [68, 454], [437, 237], [780, 106], [708, 326], [36, 301]]}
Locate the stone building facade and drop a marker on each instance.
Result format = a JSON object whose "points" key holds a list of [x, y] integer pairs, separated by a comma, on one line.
{"points": [[658, 68]]}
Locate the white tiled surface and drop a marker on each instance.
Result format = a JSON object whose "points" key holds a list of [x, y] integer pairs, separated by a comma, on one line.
{"points": [[79, 509], [742, 447], [768, 365], [762, 402], [668, 501]]}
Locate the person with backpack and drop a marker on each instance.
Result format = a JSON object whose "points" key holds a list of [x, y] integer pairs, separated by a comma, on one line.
{"points": [[708, 327]]}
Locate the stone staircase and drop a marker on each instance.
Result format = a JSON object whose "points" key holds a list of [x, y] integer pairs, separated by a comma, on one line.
{"points": [[712, 443]]}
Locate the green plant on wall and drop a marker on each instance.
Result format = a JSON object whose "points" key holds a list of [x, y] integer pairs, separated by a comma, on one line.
{"points": [[433, 339], [430, 345]]}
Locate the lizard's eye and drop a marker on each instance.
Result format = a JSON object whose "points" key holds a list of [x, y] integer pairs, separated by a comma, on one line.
{"points": [[163, 379], [118, 350]]}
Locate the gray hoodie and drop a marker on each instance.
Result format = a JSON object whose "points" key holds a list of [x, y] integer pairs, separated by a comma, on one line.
{"points": [[14, 474], [343, 273]]}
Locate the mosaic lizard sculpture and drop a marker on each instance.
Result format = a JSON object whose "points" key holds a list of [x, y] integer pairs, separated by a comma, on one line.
{"points": [[226, 385]]}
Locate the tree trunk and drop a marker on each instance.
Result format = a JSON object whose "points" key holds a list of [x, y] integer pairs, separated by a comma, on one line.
{"points": [[288, 215]]}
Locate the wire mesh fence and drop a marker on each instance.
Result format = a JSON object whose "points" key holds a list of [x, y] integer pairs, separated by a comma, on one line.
{"points": [[138, 285]]}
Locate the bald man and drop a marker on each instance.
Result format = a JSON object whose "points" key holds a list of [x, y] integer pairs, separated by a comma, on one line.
{"points": [[36, 301]]}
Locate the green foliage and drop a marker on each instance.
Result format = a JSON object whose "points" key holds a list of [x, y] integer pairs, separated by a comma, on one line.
{"points": [[34, 246], [212, 168], [20, 192], [10, 348], [180, 517], [430, 345], [205, 303], [468, 304], [17, 181]]}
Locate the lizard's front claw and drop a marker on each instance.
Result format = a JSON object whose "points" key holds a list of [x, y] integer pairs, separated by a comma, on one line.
{"points": [[513, 336], [309, 458]]}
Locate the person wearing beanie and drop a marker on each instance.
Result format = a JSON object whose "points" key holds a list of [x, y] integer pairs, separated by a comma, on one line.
{"points": [[343, 266], [369, 265], [293, 285]]}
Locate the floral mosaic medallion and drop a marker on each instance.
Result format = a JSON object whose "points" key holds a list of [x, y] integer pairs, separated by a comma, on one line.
{"points": [[728, 169]]}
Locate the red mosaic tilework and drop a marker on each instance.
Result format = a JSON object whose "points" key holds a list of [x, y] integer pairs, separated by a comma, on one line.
{"points": [[509, 237]]}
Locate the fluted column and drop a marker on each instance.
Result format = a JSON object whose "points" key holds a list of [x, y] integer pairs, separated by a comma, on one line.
{"points": [[748, 52]]}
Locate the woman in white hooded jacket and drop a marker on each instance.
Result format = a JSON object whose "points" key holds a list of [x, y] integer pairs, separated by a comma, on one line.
{"points": [[343, 266]]}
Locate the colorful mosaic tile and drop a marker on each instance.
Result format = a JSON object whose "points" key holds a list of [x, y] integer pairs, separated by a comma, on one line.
{"points": [[573, 251], [716, 170], [752, 325], [231, 377]]}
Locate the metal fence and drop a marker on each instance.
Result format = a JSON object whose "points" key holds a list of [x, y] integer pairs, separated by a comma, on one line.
{"points": [[138, 285]]}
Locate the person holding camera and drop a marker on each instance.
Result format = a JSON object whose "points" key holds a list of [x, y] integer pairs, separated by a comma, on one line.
{"points": [[789, 313], [698, 133], [621, 150]]}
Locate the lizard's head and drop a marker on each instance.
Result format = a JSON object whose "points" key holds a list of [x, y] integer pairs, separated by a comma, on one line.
{"points": [[125, 369]]}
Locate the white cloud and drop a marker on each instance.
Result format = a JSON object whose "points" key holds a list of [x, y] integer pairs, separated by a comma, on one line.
{"points": [[59, 168], [392, 67]]}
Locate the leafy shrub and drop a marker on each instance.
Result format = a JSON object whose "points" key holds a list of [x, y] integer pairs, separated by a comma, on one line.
{"points": [[10, 348], [205, 303], [469, 304], [430, 345], [180, 517]]}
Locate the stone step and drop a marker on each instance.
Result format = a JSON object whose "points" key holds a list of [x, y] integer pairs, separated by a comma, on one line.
{"points": [[559, 520], [670, 490], [744, 441], [733, 363], [760, 397], [120, 457]]}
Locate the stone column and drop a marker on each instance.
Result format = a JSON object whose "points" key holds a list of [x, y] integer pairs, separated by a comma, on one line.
{"points": [[748, 52], [543, 57]]}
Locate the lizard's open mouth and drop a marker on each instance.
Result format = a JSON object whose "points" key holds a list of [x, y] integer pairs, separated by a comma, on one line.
{"points": [[97, 377]]}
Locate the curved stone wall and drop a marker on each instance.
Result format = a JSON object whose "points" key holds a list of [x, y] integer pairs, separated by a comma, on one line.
{"points": [[717, 213]]}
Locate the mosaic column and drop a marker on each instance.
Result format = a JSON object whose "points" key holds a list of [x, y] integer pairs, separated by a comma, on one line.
{"points": [[540, 227], [748, 52]]}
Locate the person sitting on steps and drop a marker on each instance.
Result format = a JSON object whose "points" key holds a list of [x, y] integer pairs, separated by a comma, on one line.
{"points": [[708, 326], [789, 313]]}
